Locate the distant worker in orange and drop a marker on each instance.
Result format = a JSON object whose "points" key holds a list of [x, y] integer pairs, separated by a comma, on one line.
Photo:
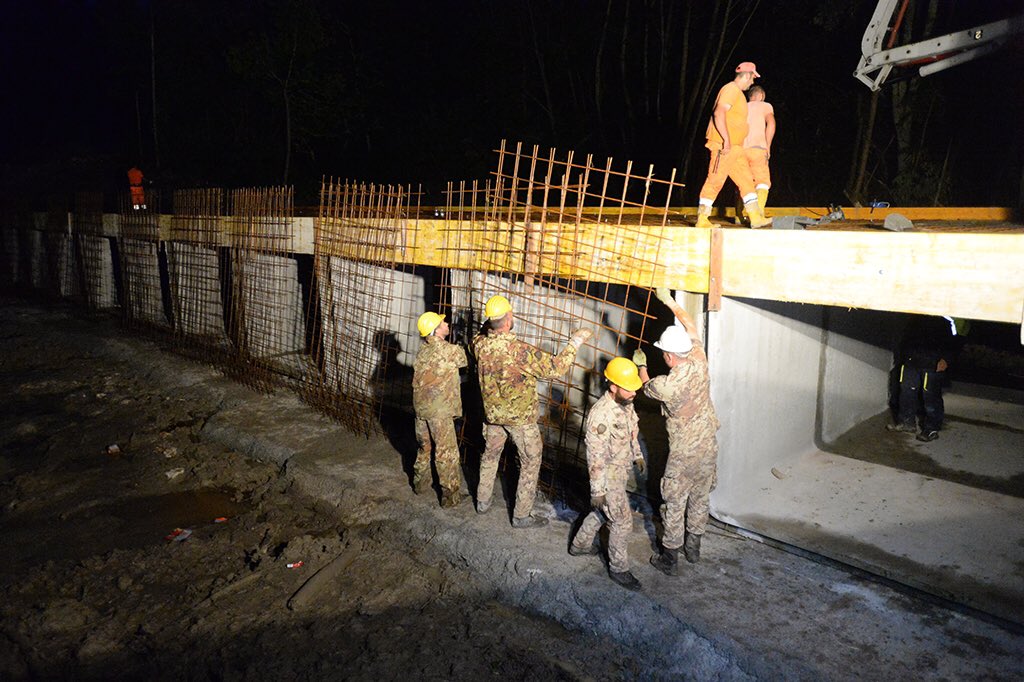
{"points": [[135, 186], [726, 132], [758, 144]]}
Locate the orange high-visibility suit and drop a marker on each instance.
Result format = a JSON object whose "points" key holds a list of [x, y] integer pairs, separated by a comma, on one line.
{"points": [[135, 186], [734, 163]]}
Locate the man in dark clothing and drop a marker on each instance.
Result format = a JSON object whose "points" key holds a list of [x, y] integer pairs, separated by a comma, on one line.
{"points": [[928, 346]]}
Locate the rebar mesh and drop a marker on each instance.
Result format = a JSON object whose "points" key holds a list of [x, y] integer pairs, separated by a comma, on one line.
{"points": [[196, 273], [572, 245], [360, 232], [94, 252], [11, 220], [61, 279], [141, 255], [266, 311]]}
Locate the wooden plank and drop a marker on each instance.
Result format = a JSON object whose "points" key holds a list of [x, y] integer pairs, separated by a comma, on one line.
{"points": [[976, 276], [715, 271]]}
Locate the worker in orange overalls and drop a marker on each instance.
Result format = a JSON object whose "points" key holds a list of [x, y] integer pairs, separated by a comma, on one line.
{"points": [[135, 186], [758, 144], [726, 132]]}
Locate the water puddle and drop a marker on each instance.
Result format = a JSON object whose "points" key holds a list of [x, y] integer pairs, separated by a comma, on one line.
{"points": [[129, 523]]}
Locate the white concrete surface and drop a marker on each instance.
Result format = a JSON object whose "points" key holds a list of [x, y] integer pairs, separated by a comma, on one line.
{"points": [[141, 273], [98, 266], [786, 383], [195, 283]]}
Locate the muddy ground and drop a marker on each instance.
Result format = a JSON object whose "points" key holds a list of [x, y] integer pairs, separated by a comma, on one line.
{"points": [[91, 587]]}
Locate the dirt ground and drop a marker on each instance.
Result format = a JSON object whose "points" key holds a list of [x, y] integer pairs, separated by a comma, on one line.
{"points": [[92, 588]]}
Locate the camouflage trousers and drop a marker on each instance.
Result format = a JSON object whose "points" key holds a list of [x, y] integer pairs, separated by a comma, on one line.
{"points": [[617, 515], [446, 454], [529, 448], [685, 491]]}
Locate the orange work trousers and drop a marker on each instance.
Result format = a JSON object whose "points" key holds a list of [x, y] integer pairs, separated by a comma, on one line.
{"points": [[757, 159], [733, 166]]}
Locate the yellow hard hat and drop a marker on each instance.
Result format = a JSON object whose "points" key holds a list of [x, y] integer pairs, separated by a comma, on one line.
{"points": [[428, 322], [497, 306], [622, 372]]}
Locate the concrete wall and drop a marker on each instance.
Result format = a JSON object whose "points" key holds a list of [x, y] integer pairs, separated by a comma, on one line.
{"points": [[141, 274], [764, 382], [98, 271], [195, 284], [855, 381], [273, 318], [10, 257], [786, 380]]}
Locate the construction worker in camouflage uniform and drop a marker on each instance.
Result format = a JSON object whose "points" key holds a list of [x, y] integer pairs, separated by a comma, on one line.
{"points": [[436, 399], [692, 447], [613, 445], [509, 370]]}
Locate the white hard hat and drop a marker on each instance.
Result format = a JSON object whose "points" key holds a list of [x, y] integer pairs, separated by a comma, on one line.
{"points": [[674, 340]]}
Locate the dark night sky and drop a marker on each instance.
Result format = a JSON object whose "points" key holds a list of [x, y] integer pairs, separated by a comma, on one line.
{"points": [[421, 92]]}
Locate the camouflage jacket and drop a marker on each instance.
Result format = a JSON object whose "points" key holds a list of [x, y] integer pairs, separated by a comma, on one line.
{"points": [[686, 395], [509, 370], [435, 379], [612, 438]]}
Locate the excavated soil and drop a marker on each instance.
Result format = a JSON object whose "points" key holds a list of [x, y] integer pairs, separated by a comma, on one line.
{"points": [[100, 463]]}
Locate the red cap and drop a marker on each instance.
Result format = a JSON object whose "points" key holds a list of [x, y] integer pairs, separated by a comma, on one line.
{"points": [[748, 66]]}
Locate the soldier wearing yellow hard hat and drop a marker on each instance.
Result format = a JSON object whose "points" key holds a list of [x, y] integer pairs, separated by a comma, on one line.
{"points": [[509, 370], [613, 446], [437, 400]]}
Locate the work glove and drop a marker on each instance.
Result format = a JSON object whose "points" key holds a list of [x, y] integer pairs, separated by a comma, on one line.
{"points": [[597, 501], [664, 295], [579, 337], [639, 358], [640, 464]]}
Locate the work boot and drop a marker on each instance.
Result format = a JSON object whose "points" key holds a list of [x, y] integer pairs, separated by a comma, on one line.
{"points": [[757, 218], [420, 486], [928, 436], [584, 551], [901, 427], [762, 199], [482, 506], [703, 216], [667, 562], [529, 522], [691, 547], [450, 498], [626, 579]]}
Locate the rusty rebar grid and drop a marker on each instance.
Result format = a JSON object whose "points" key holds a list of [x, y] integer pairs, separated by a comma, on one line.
{"points": [[60, 277], [266, 315], [94, 254], [359, 234], [145, 303], [12, 219], [196, 256], [572, 245]]}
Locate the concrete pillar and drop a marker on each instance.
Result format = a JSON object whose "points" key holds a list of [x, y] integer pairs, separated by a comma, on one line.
{"points": [[97, 271], [361, 305], [195, 285], [11, 256], [36, 258], [272, 319], [141, 276]]}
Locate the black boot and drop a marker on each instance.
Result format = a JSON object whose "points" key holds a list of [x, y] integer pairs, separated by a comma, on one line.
{"points": [[691, 547], [667, 562], [626, 579]]}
